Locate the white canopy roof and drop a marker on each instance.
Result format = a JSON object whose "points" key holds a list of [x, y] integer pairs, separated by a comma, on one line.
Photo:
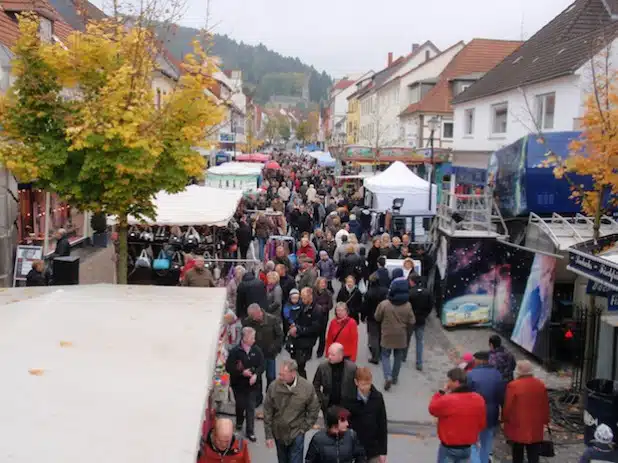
{"points": [[106, 373], [237, 168], [196, 205], [397, 178]]}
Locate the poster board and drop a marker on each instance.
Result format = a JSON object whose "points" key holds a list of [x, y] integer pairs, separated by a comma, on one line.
{"points": [[24, 257]]}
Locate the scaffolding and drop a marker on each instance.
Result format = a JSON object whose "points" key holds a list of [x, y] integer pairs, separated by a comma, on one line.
{"points": [[470, 216]]}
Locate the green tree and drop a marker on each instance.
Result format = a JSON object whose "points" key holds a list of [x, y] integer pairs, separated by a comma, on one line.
{"points": [[284, 129], [108, 149], [271, 130], [302, 131]]}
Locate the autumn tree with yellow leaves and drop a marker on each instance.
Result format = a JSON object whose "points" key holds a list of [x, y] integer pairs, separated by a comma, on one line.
{"points": [[81, 121], [595, 153]]}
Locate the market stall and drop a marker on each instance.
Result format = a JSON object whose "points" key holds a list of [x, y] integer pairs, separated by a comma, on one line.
{"points": [[243, 176], [253, 157], [399, 182], [126, 361]]}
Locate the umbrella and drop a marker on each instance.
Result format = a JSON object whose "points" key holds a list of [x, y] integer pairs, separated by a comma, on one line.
{"points": [[272, 165]]}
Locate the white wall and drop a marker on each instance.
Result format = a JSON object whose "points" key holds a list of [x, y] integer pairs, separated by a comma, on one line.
{"points": [[416, 61], [570, 92]]}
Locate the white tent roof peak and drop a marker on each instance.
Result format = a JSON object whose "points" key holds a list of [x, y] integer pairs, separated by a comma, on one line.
{"points": [[396, 178]]}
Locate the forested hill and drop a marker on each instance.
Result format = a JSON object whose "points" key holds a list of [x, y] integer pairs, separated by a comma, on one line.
{"points": [[265, 72]]}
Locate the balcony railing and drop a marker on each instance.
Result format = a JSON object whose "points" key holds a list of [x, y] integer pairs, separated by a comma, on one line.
{"points": [[470, 215]]}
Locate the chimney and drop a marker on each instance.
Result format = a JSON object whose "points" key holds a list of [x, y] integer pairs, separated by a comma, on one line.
{"points": [[415, 46], [390, 58]]}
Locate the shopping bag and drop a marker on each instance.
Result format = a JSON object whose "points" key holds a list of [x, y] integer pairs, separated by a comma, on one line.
{"points": [[147, 235], [143, 261], [162, 262], [162, 235], [191, 239], [546, 447], [133, 234]]}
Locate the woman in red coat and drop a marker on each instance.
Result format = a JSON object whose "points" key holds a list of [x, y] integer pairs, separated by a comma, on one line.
{"points": [[344, 330], [525, 413]]}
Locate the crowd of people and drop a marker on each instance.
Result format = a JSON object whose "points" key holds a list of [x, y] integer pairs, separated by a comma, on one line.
{"points": [[314, 291]]}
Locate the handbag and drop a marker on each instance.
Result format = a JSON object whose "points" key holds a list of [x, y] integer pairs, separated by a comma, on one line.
{"points": [[546, 447], [162, 235], [147, 235], [161, 262], [191, 239], [340, 330], [143, 261], [133, 234]]}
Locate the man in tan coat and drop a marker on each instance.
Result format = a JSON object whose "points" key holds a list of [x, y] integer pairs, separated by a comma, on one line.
{"points": [[395, 315]]}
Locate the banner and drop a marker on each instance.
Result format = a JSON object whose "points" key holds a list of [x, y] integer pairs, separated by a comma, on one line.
{"points": [[536, 307]]}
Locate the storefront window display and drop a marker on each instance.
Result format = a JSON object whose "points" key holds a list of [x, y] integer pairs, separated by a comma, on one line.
{"points": [[35, 223]]}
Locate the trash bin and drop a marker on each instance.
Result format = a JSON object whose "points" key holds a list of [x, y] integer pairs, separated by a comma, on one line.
{"points": [[600, 406]]}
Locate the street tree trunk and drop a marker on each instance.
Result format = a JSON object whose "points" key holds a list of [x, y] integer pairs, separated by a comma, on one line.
{"points": [[123, 250]]}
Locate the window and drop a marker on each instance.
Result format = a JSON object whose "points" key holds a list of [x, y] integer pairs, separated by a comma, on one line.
{"points": [[545, 108], [469, 121], [427, 55], [499, 117], [464, 87], [447, 130], [45, 30]]}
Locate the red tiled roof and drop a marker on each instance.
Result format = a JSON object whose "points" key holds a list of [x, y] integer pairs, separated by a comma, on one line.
{"points": [[43, 7], [62, 30], [9, 32], [479, 55], [342, 84]]}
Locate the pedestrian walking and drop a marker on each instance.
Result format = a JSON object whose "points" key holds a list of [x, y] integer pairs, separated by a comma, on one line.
{"points": [[269, 338], [368, 416], [461, 418], [373, 255], [501, 358], [334, 378], [394, 315], [305, 330], [286, 281], [353, 298], [420, 298], [486, 380], [274, 294], [338, 443], [375, 294], [291, 408], [232, 286], [199, 276], [245, 364], [327, 268], [343, 330], [323, 304], [221, 445], [526, 413], [250, 290]]}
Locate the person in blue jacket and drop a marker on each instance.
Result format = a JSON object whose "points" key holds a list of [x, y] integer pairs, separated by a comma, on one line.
{"points": [[487, 381], [355, 227], [602, 447]]}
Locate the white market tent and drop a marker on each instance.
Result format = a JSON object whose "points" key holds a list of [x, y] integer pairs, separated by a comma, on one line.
{"points": [[196, 205], [106, 373], [400, 182], [243, 176], [237, 168]]}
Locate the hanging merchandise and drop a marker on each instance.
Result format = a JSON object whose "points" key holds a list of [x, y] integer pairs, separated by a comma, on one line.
{"points": [[162, 235], [162, 261], [143, 261], [191, 240], [147, 235], [134, 234]]}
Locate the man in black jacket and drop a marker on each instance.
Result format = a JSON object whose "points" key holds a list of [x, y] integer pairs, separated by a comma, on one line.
{"points": [[305, 332], [368, 416], [250, 290], [269, 338], [244, 235], [245, 364], [63, 247], [334, 378], [304, 221], [420, 298], [286, 281], [376, 293]]}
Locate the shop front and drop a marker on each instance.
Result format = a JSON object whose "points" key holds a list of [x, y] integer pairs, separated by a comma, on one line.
{"points": [[42, 214]]}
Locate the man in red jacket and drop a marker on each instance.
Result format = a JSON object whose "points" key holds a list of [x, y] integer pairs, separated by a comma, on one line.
{"points": [[220, 445], [461, 418], [525, 413]]}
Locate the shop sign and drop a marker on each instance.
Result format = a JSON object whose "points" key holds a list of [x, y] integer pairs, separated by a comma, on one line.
{"points": [[24, 257], [227, 137], [585, 260]]}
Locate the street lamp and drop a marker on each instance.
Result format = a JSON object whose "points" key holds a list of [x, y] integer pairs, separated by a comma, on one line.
{"points": [[433, 124]]}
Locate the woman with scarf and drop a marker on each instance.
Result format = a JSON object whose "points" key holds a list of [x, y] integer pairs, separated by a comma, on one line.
{"points": [[274, 294], [323, 303], [351, 295], [343, 330]]}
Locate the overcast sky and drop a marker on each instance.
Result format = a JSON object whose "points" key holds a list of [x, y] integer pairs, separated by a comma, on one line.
{"points": [[348, 36]]}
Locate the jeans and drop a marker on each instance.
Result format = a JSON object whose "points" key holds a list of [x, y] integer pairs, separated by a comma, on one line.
{"points": [[419, 333], [292, 453], [262, 246], [245, 405], [391, 374], [481, 452], [531, 449], [270, 368], [453, 455]]}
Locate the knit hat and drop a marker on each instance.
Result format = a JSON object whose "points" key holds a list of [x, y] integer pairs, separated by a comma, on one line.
{"points": [[294, 291], [399, 292], [323, 253], [603, 434]]}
